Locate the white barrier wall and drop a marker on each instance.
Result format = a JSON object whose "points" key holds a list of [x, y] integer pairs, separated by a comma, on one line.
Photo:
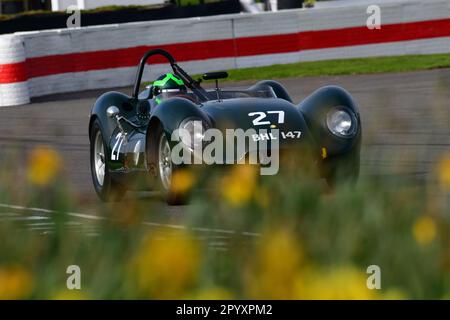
{"points": [[45, 62]]}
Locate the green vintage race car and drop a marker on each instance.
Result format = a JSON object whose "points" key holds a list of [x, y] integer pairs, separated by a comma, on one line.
{"points": [[134, 137]]}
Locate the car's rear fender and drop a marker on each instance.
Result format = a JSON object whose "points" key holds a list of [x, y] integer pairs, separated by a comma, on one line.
{"points": [[277, 87]]}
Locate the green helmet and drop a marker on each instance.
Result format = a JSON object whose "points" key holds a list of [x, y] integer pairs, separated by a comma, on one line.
{"points": [[168, 82]]}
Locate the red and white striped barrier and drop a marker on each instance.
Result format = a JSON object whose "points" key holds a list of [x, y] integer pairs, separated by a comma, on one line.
{"points": [[13, 74], [40, 63]]}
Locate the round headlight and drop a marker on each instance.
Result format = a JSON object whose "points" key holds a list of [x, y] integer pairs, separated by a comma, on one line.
{"points": [[192, 133], [341, 123]]}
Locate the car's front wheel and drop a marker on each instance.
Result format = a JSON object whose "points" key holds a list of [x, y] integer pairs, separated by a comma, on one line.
{"points": [[105, 187], [342, 169], [165, 165], [160, 159]]}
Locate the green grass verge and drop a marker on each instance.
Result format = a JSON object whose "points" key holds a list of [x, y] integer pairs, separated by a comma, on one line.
{"points": [[344, 67], [339, 67], [185, 3], [181, 3], [87, 11]]}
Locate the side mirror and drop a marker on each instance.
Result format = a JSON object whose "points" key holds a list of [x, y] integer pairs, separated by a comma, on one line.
{"points": [[112, 112], [215, 75]]}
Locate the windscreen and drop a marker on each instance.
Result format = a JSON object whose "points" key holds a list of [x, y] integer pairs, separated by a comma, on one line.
{"points": [[239, 94], [222, 94]]}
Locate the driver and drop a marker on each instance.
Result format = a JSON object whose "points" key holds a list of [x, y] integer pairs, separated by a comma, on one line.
{"points": [[168, 84]]}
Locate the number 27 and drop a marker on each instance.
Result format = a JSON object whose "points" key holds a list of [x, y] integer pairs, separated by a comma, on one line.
{"points": [[262, 115]]}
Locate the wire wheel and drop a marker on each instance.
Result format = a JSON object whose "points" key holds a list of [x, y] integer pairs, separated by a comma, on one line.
{"points": [[165, 162], [99, 158]]}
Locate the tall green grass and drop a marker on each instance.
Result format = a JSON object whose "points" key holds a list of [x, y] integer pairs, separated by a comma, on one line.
{"points": [[344, 67], [245, 236]]}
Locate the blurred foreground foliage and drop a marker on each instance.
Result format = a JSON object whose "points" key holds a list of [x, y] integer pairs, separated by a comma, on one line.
{"points": [[280, 237]]}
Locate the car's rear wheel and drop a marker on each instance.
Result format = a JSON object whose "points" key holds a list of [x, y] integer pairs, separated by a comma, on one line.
{"points": [[159, 154], [105, 187], [343, 169]]}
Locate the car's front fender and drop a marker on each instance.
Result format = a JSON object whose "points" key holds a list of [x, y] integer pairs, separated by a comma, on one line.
{"points": [[172, 112], [315, 108], [120, 100]]}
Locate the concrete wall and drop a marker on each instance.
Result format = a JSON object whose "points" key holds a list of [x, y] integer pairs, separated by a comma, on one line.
{"points": [[45, 62]]}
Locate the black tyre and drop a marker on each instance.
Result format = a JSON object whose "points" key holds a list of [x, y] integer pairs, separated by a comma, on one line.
{"points": [[105, 187], [342, 169]]}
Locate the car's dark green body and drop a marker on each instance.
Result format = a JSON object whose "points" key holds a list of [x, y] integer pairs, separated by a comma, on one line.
{"points": [[309, 117]]}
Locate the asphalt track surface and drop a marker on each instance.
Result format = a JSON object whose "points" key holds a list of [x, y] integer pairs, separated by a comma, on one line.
{"points": [[405, 118]]}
